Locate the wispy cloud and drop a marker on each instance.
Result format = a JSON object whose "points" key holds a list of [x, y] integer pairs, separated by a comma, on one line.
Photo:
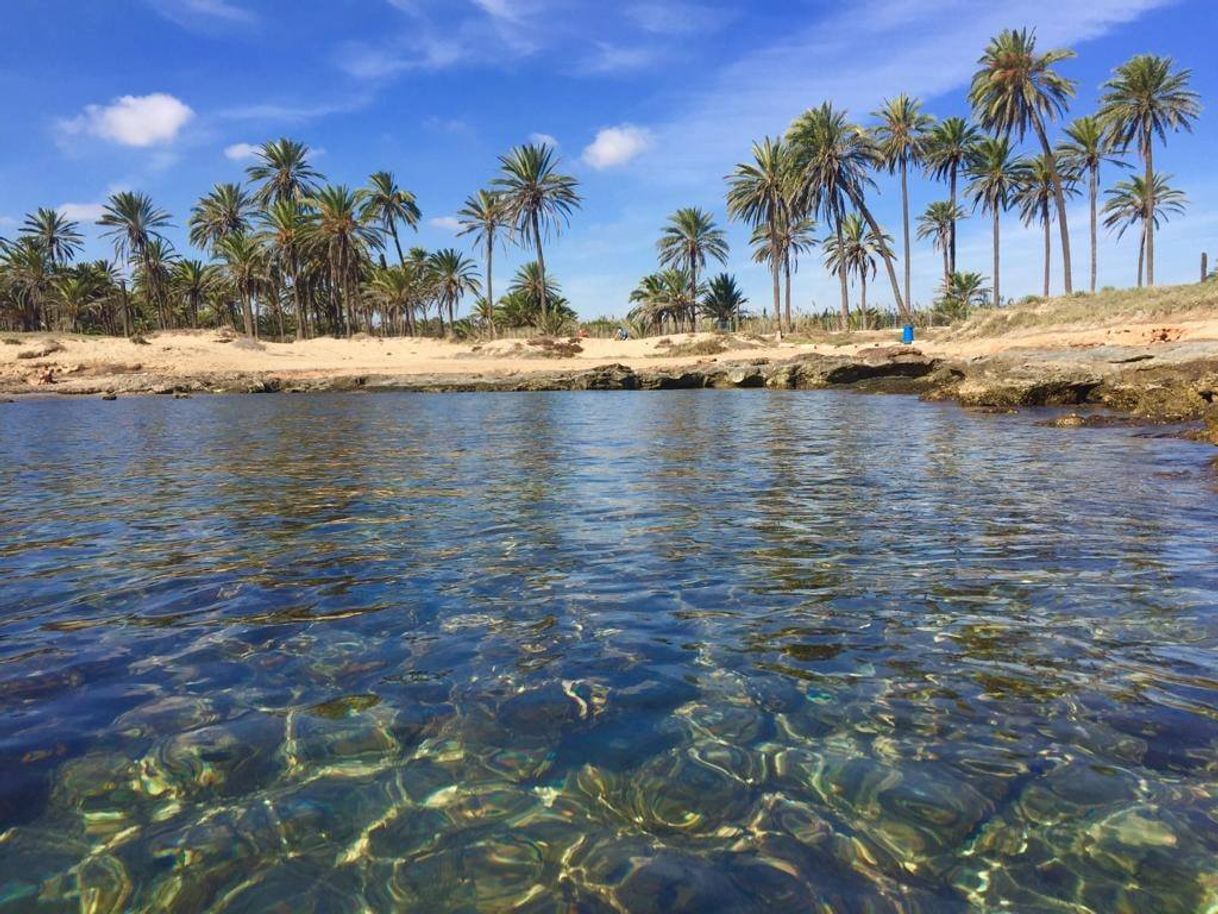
{"points": [[202, 13], [132, 120], [240, 152], [81, 212], [447, 223], [678, 17], [291, 112], [543, 139]]}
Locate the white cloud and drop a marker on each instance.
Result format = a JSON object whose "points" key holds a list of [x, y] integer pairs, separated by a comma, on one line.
{"points": [[7, 221], [607, 58], [616, 146], [676, 17], [448, 223], [132, 120], [240, 152], [81, 212], [543, 139]]}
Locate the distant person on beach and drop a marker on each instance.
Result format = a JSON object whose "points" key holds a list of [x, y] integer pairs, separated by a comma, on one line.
{"points": [[622, 334]]}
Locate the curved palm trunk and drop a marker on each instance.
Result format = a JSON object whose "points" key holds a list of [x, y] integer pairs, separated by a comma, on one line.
{"points": [[997, 262], [1149, 219], [541, 265], [902, 306], [905, 222], [1048, 220], [1141, 254], [1060, 196]]}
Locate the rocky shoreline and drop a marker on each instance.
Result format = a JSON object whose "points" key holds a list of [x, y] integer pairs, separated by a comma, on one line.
{"points": [[1171, 384]]}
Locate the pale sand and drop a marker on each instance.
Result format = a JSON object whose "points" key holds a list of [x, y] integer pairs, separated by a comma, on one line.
{"points": [[192, 353]]}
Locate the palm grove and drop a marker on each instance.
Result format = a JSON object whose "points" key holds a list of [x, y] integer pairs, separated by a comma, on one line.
{"points": [[290, 255]]}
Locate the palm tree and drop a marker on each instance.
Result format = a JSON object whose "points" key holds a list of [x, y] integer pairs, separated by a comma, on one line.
{"points": [[948, 148], [393, 288], [1143, 100], [759, 193], [994, 176], [287, 227], [855, 249], [788, 240], [29, 271], [833, 159], [661, 297], [1037, 189], [901, 135], [54, 233], [689, 238], [194, 282], [454, 274], [133, 223], [484, 216], [1088, 145], [1016, 88], [724, 300], [387, 204], [536, 197], [960, 294], [1129, 202], [936, 224], [245, 265], [227, 210], [342, 235], [284, 172]]}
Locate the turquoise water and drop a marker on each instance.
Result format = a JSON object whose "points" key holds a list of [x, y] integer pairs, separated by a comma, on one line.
{"points": [[704, 652]]}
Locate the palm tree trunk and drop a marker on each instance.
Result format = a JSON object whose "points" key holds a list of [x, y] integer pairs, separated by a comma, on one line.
{"points": [[841, 276], [776, 272], [786, 267], [541, 265], [905, 220], [863, 294], [490, 288], [1095, 196], [247, 313], [693, 295], [1148, 220], [1060, 195], [902, 306], [952, 239], [997, 263], [1141, 254], [1047, 219]]}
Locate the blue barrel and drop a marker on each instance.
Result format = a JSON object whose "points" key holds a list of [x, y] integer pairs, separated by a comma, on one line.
{"points": [[907, 334]]}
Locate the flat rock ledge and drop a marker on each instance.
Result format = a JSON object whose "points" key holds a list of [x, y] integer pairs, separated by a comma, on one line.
{"points": [[1174, 385]]}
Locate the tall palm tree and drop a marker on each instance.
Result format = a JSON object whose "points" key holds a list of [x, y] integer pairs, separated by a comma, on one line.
{"points": [[56, 234], [30, 272], [759, 193], [901, 135], [689, 238], [1014, 89], [454, 275], [1036, 192], [1088, 145], [537, 198], [994, 175], [226, 210], [947, 152], [834, 159], [341, 235], [245, 265], [287, 228], [393, 288], [1144, 100], [936, 224], [484, 216], [1131, 200], [283, 172], [387, 204], [724, 300], [133, 222], [661, 297]]}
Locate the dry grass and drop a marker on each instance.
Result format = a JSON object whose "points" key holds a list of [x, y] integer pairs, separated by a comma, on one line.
{"points": [[1167, 303]]}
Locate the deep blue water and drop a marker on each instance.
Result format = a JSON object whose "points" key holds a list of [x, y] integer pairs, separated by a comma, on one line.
{"points": [[704, 652]]}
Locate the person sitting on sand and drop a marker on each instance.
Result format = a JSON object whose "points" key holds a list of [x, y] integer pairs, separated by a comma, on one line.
{"points": [[622, 334]]}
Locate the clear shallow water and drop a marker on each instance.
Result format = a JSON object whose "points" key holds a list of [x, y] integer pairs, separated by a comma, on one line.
{"points": [[678, 652]]}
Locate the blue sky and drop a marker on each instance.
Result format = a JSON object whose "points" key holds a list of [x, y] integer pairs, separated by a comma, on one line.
{"points": [[651, 103]]}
